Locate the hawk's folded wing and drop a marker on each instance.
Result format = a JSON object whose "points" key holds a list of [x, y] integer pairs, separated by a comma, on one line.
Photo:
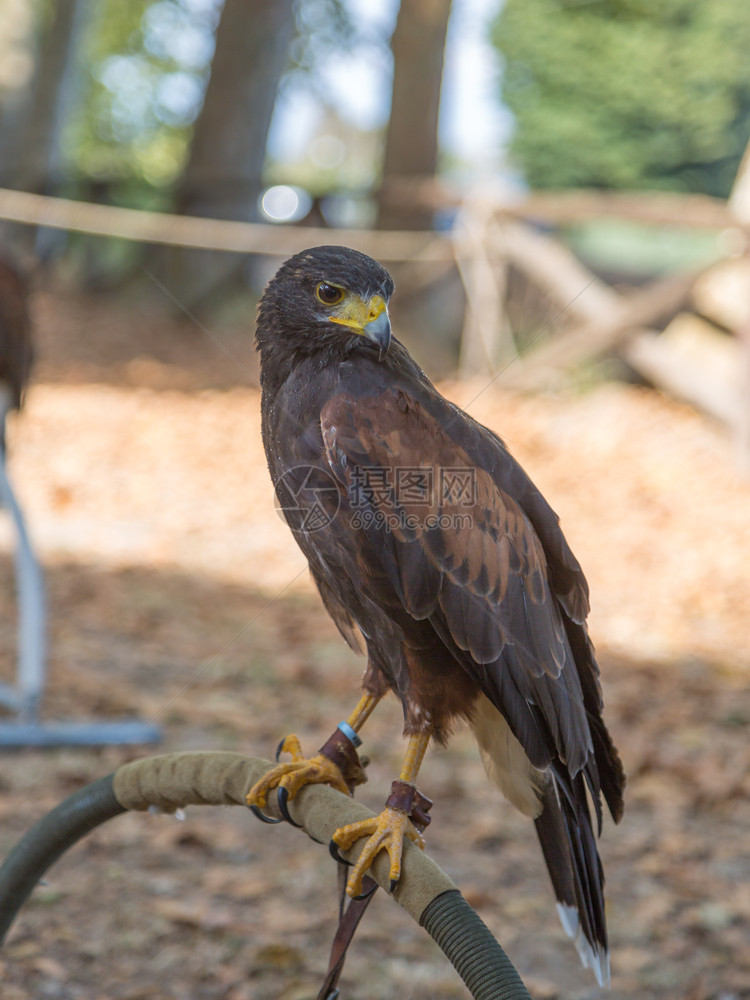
{"points": [[462, 553]]}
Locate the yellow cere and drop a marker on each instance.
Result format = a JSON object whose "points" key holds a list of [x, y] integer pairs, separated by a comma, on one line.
{"points": [[354, 312]]}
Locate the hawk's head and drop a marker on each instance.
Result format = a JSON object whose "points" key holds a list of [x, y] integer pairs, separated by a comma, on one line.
{"points": [[326, 298]]}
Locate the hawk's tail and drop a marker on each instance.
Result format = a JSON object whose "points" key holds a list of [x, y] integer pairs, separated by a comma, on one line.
{"points": [[569, 847]]}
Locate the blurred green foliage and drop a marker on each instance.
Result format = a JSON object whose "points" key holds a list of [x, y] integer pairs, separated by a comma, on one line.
{"points": [[147, 63], [148, 66], [627, 93]]}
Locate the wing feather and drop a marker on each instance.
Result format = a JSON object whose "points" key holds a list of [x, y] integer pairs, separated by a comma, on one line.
{"points": [[471, 562]]}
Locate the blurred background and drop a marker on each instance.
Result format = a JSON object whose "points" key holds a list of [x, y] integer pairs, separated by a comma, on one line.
{"points": [[561, 191]]}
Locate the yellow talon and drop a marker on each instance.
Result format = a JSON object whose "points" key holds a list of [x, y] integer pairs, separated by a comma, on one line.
{"points": [[291, 745], [386, 832], [295, 774]]}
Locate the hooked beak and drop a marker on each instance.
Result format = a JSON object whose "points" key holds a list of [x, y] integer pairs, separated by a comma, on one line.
{"points": [[367, 318], [378, 330]]}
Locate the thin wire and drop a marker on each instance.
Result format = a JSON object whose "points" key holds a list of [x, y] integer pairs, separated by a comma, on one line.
{"points": [[541, 333], [209, 663], [201, 326], [180, 305]]}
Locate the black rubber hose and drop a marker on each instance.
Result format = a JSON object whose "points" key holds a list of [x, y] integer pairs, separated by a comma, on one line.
{"points": [[48, 839], [471, 949]]}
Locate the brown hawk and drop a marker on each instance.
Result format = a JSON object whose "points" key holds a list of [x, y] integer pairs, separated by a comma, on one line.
{"points": [[427, 539]]}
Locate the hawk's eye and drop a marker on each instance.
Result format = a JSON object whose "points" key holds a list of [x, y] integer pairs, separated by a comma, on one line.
{"points": [[329, 295]]}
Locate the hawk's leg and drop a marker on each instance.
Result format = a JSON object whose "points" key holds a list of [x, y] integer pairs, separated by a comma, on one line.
{"points": [[363, 711], [404, 816], [336, 764]]}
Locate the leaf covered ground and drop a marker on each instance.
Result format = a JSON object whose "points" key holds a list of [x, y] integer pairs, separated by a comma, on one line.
{"points": [[176, 594]]}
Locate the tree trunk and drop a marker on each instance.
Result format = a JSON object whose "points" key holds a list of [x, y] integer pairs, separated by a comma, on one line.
{"points": [[411, 148], [223, 176], [32, 129], [32, 126]]}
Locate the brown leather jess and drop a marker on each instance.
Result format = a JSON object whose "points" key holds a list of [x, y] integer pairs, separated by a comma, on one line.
{"points": [[404, 796]]}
